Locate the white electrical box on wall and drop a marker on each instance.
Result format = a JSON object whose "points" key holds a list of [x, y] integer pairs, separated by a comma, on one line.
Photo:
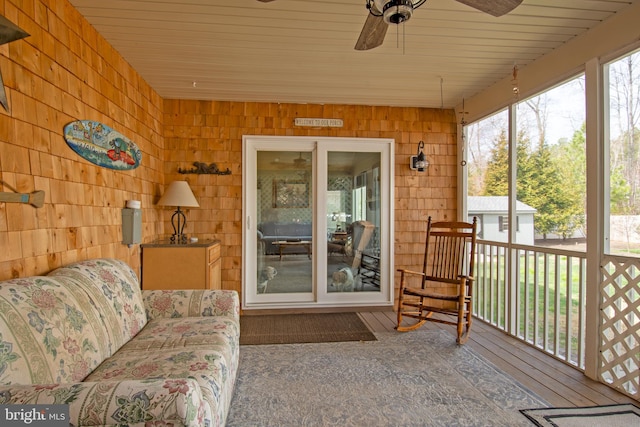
{"points": [[131, 226]]}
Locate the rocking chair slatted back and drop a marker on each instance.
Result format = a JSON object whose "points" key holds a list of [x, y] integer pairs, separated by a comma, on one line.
{"points": [[448, 251]]}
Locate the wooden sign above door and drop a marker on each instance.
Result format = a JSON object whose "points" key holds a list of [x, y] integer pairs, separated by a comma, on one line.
{"points": [[319, 123]]}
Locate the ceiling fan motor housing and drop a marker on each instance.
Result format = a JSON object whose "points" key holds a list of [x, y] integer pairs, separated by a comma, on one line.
{"points": [[396, 11]]}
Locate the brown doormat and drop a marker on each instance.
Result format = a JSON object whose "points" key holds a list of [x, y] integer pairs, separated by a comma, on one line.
{"points": [[303, 328]]}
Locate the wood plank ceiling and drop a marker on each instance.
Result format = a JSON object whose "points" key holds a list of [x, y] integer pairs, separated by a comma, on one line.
{"points": [[302, 51]]}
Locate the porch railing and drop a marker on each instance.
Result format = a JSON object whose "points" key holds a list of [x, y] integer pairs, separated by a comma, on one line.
{"points": [[536, 294]]}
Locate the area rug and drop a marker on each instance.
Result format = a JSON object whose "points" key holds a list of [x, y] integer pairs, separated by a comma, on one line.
{"points": [[419, 378], [303, 328], [625, 415]]}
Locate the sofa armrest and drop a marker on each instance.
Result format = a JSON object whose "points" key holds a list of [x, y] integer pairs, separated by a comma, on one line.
{"points": [[191, 303], [129, 402]]}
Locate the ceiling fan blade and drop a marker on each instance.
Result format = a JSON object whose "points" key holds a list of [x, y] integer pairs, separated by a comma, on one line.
{"points": [[265, 1], [492, 7], [373, 33]]}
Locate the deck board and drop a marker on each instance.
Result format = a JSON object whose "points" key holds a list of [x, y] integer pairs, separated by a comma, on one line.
{"points": [[554, 381], [555, 370]]}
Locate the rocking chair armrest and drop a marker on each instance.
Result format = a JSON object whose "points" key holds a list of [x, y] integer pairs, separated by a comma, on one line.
{"points": [[468, 280], [405, 271]]}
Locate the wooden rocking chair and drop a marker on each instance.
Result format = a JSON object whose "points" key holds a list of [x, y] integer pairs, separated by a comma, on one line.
{"points": [[445, 285]]}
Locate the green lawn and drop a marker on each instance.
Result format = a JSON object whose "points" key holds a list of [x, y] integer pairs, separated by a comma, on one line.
{"points": [[543, 286]]}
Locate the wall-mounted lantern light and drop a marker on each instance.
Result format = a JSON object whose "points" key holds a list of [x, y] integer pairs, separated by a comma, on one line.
{"points": [[418, 162]]}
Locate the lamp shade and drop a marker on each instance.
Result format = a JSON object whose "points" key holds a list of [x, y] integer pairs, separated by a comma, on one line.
{"points": [[179, 194]]}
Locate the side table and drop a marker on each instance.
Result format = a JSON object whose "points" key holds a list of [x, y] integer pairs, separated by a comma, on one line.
{"points": [[167, 265]]}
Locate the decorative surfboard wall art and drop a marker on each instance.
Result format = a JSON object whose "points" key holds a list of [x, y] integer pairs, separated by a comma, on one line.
{"points": [[101, 145]]}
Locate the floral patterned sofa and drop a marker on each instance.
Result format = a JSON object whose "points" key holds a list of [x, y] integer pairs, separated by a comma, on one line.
{"points": [[87, 336]]}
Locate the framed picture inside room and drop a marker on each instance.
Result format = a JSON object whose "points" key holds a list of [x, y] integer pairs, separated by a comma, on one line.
{"points": [[290, 194]]}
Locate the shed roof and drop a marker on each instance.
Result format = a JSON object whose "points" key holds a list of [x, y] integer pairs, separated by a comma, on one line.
{"points": [[495, 204]]}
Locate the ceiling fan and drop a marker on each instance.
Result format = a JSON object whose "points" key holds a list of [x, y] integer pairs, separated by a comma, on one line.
{"points": [[385, 12], [296, 163]]}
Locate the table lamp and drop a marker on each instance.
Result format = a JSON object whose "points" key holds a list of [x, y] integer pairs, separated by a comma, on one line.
{"points": [[178, 194]]}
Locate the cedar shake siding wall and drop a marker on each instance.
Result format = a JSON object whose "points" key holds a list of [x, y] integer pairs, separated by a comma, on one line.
{"points": [[65, 71], [211, 132]]}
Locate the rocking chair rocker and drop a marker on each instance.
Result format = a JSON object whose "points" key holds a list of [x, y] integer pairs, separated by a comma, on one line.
{"points": [[445, 285]]}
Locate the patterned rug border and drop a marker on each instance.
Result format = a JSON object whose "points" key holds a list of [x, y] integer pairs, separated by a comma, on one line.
{"points": [[303, 328], [588, 415]]}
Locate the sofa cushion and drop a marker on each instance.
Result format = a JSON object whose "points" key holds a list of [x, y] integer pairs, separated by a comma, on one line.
{"points": [[145, 402], [167, 347], [191, 303], [49, 333], [206, 365], [68, 322], [115, 290], [216, 332]]}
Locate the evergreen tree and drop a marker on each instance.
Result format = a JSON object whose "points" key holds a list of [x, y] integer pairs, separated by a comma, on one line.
{"points": [[570, 159], [550, 179], [496, 175]]}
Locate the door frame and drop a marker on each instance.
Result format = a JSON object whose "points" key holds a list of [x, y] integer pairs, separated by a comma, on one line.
{"points": [[319, 147]]}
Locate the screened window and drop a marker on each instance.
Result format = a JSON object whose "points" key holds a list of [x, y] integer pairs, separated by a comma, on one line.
{"points": [[550, 165], [624, 154], [550, 162]]}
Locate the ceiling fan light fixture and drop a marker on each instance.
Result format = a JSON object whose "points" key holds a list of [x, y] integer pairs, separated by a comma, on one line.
{"points": [[397, 11], [394, 11]]}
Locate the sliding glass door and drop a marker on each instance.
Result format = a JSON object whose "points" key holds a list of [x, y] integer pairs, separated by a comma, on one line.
{"points": [[352, 228], [317, 222], [284, 215]]}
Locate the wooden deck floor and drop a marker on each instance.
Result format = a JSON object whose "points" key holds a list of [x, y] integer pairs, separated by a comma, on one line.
{"points": [[557, 383]]}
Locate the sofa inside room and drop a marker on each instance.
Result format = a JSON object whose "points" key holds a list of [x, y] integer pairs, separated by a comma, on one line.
{"points": [[270, 232]]}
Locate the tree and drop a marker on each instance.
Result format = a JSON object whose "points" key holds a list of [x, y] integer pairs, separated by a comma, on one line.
{"points": [[480, 139], [540, 185], [550, 177], [570, 158], [619, 191], [496, 174], [625, 147], [538, 106]]}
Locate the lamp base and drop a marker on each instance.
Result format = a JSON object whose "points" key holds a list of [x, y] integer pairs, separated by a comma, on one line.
{"points": [[178, 238]]}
